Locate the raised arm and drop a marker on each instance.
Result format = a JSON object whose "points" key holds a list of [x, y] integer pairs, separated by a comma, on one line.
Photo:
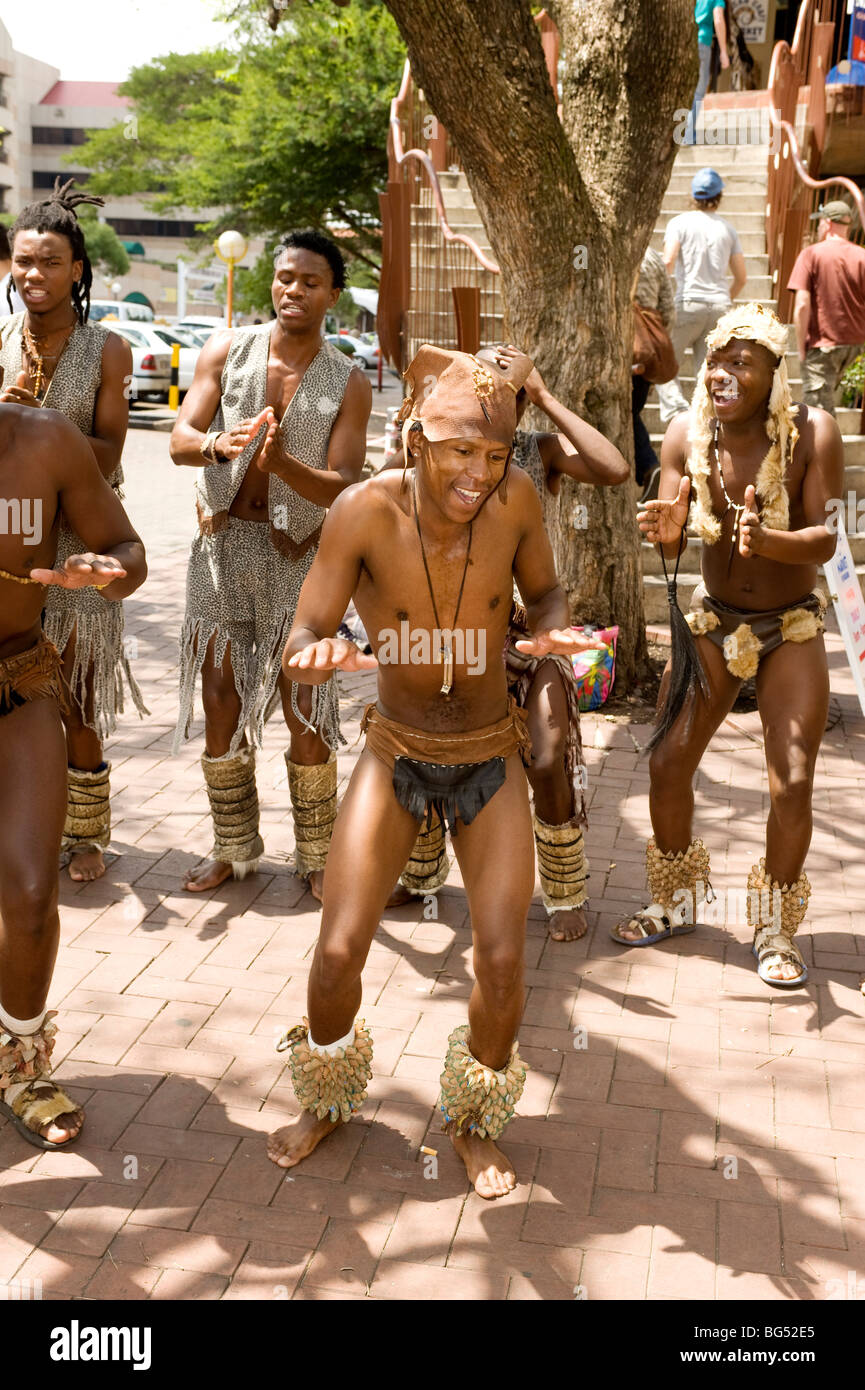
{"points": [[95, 512], [312, 652], [346, 450], [578, 450]]}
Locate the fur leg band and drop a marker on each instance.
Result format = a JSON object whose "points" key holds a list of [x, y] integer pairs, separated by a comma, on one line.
{"points": [[233, 799], [474, 1097], [313, 803], [562, 866], [88, 811], [679, 881], [329, 1085]]}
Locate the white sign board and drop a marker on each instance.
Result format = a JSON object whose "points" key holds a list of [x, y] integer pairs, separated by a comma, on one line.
{"points": [[846, 595], [752, 18]]}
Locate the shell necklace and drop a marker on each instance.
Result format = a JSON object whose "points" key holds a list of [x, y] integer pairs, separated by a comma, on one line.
{"points": [[735, 507], [445, 650]]}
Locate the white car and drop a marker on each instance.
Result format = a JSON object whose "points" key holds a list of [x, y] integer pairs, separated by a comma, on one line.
{"points": [[151, 362], [154, 341], [368, 353]]}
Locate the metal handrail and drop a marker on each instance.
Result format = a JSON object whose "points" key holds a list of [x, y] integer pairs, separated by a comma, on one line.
{"points": [[402, 156]]}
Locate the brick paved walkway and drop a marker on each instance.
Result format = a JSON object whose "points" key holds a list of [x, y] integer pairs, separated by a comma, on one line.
{"points": [[170, 1004]]}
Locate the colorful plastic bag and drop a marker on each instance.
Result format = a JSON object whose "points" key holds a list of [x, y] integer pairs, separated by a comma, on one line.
{"points": [[595, 668]]}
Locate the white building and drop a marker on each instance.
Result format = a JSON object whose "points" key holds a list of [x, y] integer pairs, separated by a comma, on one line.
{"points": [[43, 118]]}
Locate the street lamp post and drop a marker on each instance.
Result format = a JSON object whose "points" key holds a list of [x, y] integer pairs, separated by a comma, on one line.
{"points": [[231, 248]]}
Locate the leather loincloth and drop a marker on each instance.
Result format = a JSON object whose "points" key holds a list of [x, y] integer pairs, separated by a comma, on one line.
{"points": [[452, 776], [34, 674], [745, 637]]}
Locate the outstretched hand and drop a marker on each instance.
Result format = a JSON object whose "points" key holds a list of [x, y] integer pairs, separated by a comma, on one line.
{"points": [[79, 571], [556, 641], [751, 531], [661, 522], [332, 654]]}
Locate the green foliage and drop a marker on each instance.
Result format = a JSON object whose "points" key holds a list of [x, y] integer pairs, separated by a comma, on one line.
{"points": [[853, 382], [289, 130], [105, 249]]}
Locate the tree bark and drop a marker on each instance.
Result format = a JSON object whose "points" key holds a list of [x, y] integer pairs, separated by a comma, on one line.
{"points": [[569, 205]]}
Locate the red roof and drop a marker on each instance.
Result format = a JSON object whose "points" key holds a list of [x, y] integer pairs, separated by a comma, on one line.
{"points": [[84, 94]]}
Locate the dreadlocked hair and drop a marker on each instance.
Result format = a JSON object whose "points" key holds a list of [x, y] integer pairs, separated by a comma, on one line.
{"points": [[57, 214]]}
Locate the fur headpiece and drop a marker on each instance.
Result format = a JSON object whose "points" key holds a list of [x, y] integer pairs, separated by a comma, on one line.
{"points": [[754, 324]]}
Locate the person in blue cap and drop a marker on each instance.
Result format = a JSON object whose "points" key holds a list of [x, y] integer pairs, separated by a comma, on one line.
{"points": [[702, 249]]}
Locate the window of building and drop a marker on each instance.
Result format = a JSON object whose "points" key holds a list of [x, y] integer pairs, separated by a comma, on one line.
{"points": [[44, 178], [145, 226], [58, 135]]}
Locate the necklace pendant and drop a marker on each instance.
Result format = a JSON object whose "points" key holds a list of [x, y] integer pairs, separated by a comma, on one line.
{"points": [[448, 673]]}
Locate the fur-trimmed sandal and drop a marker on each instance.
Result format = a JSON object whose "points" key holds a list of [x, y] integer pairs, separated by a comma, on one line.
{"points": [[28, 1096], [34, 1105], [772, 948], [656, 924]]}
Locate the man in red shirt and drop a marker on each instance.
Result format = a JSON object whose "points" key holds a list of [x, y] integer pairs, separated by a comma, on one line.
{"points": [[829, 314]]}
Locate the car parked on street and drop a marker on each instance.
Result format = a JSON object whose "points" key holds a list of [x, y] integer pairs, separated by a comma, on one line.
{"points": [[154, 342], [151, 362], [368, 352]]}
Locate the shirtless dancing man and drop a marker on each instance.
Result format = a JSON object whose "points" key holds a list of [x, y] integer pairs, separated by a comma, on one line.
{"points": [[443, 548], [46, 463], [762, 471], [260, 511]]}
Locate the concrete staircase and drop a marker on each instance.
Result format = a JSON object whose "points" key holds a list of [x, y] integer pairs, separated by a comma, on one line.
{"points": [[743, 169]]}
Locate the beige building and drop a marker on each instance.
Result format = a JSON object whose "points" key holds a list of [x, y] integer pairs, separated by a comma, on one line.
{"points": [[43, 118]]}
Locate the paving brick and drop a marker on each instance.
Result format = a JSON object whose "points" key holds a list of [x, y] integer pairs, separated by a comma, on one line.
{"points": [[200, 1147], [749, 1238], [268, 1272], [249, 1175], [21, 1230], [176, 1193], [65, 1275], [398, 1279], [113, 1280], [627, 1160], [242, 1220], [172, 1249], [93, 1218], [347, 1256], [189, 1286]]}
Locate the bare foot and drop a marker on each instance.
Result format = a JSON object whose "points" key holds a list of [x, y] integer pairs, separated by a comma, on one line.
{"points": [[294, 1142], [489, 1171], [64, 1129], [315, 882], [568, 925], [400, 896], [84, 867], [208, 875]]}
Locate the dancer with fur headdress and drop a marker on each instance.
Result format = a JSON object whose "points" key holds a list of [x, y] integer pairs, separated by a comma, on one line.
{"points": [[760, 472]]}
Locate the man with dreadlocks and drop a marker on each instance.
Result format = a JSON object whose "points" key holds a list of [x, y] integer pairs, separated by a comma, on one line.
{"points": [[53, 357], [761, 471], [262, 494]]}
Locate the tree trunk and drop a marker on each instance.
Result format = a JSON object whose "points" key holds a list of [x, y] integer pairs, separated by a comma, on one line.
{"points": [[569, 205]]}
